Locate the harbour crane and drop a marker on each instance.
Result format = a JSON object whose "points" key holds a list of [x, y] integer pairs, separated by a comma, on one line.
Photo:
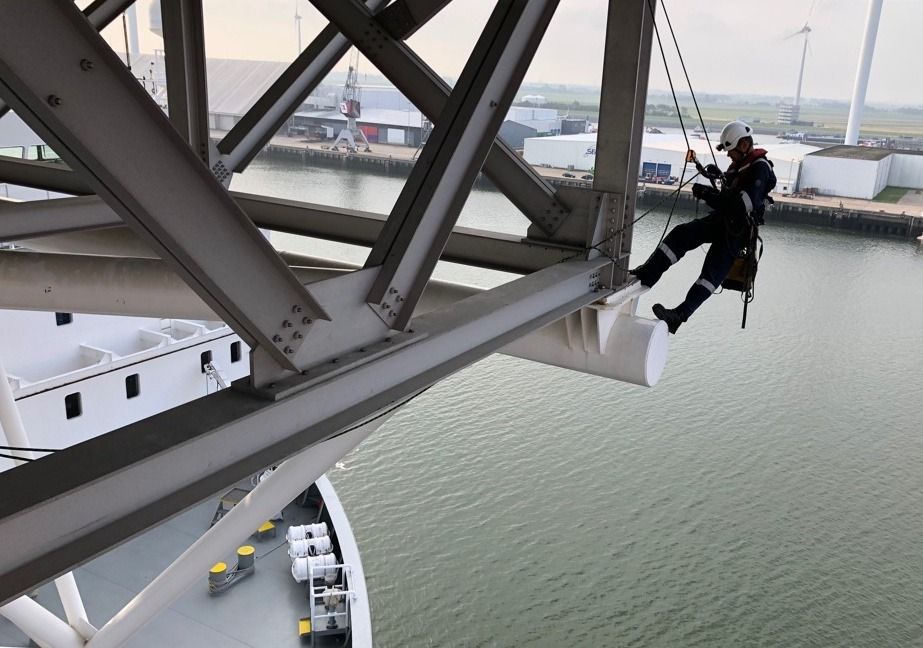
{"points": [[350, 107]]}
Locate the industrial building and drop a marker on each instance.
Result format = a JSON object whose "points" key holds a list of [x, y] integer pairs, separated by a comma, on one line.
{"points": [[578, 152], [545, 121], [860, 171], [388, 126]]}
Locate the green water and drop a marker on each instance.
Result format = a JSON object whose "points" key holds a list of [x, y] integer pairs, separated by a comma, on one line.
{"points": [[766, 493]]}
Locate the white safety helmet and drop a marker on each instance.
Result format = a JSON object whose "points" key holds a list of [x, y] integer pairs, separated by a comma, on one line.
{"points": [[733, 133]]}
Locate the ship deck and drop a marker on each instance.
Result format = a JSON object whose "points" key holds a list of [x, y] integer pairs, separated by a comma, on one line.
{"points": [[259, 611]]}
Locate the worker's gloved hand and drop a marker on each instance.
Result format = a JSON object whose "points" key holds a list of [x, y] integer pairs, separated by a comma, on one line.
{"points": [[704, 192], [712, 171]]}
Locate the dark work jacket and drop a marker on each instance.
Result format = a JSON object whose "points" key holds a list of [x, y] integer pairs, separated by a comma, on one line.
{"points": [[746, 189]]}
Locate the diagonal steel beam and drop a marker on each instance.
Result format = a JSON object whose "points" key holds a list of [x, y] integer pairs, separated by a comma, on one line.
{"points": [[187, 86], [419, 83], [80, 98], [266, 116], [103, 491], [99, 14], [425, 212]]}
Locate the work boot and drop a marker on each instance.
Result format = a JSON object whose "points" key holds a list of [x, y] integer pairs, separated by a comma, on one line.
{"points": [[649, 272], [635, 272], [643, 275], [671, 316]]}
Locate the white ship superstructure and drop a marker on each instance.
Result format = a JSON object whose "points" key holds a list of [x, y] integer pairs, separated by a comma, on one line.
{"points": [[74, 376]]}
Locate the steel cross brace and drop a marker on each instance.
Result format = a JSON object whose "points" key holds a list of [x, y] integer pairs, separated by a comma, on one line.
{"points": [[254, 130], [68, 84], [403, 18], [102, 492], [187, 87], [432, 198], [248, 136], [509, 172]]}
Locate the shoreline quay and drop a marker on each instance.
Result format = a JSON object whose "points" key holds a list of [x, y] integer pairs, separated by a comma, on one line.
{"points": [[880, 219]]}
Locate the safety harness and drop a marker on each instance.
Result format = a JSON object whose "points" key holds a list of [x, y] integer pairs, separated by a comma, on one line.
{"points": [[742, 275]]}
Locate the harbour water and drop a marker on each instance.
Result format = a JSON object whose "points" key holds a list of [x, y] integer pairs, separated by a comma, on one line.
{"points": [[766, 493]]}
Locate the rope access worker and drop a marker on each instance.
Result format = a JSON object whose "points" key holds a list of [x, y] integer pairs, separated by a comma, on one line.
{"points": [[741, 202]]}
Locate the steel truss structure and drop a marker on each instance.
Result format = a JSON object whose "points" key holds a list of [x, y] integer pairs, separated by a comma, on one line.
{"points": [[330, 353]]}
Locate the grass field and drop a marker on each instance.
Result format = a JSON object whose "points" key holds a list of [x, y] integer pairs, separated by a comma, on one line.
{"points": [[891, 194], [876, 122]]}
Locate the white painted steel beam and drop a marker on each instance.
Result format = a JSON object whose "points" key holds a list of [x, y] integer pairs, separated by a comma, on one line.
{"points": [[13, 432], [187, 86], [81, 99], [426, 89], [420, 223], [105, 490], [40, 625]]}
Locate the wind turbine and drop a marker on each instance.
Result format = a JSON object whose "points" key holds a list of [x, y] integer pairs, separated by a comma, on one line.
{"points": [[298, 26], [804, 55]]}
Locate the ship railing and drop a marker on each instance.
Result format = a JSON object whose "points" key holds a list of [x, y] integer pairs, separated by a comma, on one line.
{"points": [[344, 596]]}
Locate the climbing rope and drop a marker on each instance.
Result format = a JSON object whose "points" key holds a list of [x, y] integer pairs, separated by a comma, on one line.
{"points": [[688, 81]]}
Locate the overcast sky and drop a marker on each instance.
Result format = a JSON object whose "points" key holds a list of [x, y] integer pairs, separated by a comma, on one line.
{"points": [[730, 46]]}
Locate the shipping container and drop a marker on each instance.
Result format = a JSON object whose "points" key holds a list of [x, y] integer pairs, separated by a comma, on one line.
{"points": [[371, 133]]}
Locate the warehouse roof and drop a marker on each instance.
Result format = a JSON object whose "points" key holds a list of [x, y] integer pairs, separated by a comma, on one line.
{"points": [[854, 152], [233, 85], [377, 116], [676, 142]]}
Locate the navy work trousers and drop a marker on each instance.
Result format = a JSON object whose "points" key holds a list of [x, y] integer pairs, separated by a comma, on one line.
{"points": [[726, 243]]}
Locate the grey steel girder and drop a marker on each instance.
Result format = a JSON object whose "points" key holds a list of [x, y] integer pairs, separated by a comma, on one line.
{"points": [[266, 116], [24, 220], [52, 176], [187, 86], [403, 18], [629, 30], [101, 492], [534, 197], [99, 14], [466, 245], [70, 87], [432, 198]]}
